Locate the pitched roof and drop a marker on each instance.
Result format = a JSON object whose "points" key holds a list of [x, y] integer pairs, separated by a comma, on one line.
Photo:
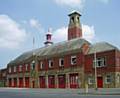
{"points": [[58, 48], [101, 47]]}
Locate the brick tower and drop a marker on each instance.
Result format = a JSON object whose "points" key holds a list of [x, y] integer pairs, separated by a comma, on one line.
{"points": [[74, 28]]}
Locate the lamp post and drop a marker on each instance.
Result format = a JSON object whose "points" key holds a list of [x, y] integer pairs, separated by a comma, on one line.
{"points": [[95, 62]]}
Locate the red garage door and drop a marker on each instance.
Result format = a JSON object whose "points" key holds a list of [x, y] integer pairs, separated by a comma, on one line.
{"points": [[42, 81], [74, 80], [10, 82], [20, 82], [27, 82], [51, 81], [61, 81], [15, 82]]}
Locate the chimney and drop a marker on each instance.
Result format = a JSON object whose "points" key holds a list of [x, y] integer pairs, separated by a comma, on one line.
{"points": [[48, 41]]}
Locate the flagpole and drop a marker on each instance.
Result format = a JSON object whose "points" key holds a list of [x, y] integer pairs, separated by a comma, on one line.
{"points": [[95, 61]]}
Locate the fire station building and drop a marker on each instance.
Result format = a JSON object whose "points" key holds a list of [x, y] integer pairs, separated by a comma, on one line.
{"points": [[68, 64]]}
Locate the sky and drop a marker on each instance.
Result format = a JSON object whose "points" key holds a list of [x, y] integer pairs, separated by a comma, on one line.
{"points": [[23, 20]]}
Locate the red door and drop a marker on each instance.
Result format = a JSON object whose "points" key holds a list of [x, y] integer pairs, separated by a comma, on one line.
{"points": [[99, 82], [20, 82], [15, 82], [61, 81], [42, 81], [51, 81], [10, 83], [74, 80], [27, 82]]}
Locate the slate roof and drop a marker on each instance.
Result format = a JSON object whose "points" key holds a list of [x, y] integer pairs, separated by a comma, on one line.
{"points": [[54, 49], [101, 47]]}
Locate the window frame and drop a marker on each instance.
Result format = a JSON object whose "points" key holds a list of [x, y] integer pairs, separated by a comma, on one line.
{"points": [[108, 80], [60, 62], [50, 63], [100, 62], [73, 57]]}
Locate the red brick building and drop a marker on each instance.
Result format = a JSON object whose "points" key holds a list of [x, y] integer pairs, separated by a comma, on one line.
{"points": [[68, 64]]}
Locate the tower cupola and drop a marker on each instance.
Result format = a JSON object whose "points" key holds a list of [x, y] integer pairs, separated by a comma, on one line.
{"points": [[48, 38]]}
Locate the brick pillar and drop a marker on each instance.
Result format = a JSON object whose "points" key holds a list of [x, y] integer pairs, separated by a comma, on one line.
{"points": [[23, 81], [12, 80], [67, 81], [17, 81], [56, 81], [46, 78]]}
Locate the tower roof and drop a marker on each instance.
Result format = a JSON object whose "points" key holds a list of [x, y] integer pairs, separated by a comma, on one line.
{"points": [[74, 12]]}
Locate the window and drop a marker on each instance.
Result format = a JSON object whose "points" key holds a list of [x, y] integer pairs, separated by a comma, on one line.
{"points": [[20, 68], [14, 68], [10, 70], [90, 80], [50, 63], [26, 67], [108, 79], [61, 62], [41, 65], [33, 65], [100, 62], [73, 60]]}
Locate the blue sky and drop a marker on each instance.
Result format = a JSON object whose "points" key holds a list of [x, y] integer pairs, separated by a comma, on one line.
{"points": [[21, 20]]}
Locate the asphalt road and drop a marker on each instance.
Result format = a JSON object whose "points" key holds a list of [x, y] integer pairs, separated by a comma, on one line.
{"points": [[49, 93]]}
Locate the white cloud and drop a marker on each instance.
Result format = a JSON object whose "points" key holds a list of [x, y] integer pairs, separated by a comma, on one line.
{"points": [[35, 24], [61, 33], [72, 3], [11, 34], [88, 32], [104, 1]]}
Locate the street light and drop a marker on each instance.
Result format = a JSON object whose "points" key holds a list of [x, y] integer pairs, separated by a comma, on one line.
{"points": [[95, 62]]}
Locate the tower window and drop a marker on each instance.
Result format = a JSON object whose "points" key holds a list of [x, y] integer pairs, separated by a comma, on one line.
{"points": [[72, 19]]}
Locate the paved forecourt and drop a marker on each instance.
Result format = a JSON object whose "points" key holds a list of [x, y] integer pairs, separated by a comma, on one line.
{"points": [[57, 93]]}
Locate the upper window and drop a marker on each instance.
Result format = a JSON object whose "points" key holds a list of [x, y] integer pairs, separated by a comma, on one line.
{"points": [[100, 62], [26, 67], [41, 65], [50, 63], [10, 70], [73, 60], [61, 62], [33, 65], [20, 68], [14, 68]]}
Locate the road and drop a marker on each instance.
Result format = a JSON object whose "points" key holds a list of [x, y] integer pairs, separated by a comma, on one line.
{"points": [[49, 93]]}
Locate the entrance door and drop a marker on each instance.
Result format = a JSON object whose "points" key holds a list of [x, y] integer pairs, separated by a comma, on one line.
{"points": [[42, 81], [99, 82], [61, 81], [51, 81]]}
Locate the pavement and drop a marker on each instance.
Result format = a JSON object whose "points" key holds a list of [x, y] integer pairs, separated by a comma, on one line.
{"points": [[90, 91], [58, 93]]}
